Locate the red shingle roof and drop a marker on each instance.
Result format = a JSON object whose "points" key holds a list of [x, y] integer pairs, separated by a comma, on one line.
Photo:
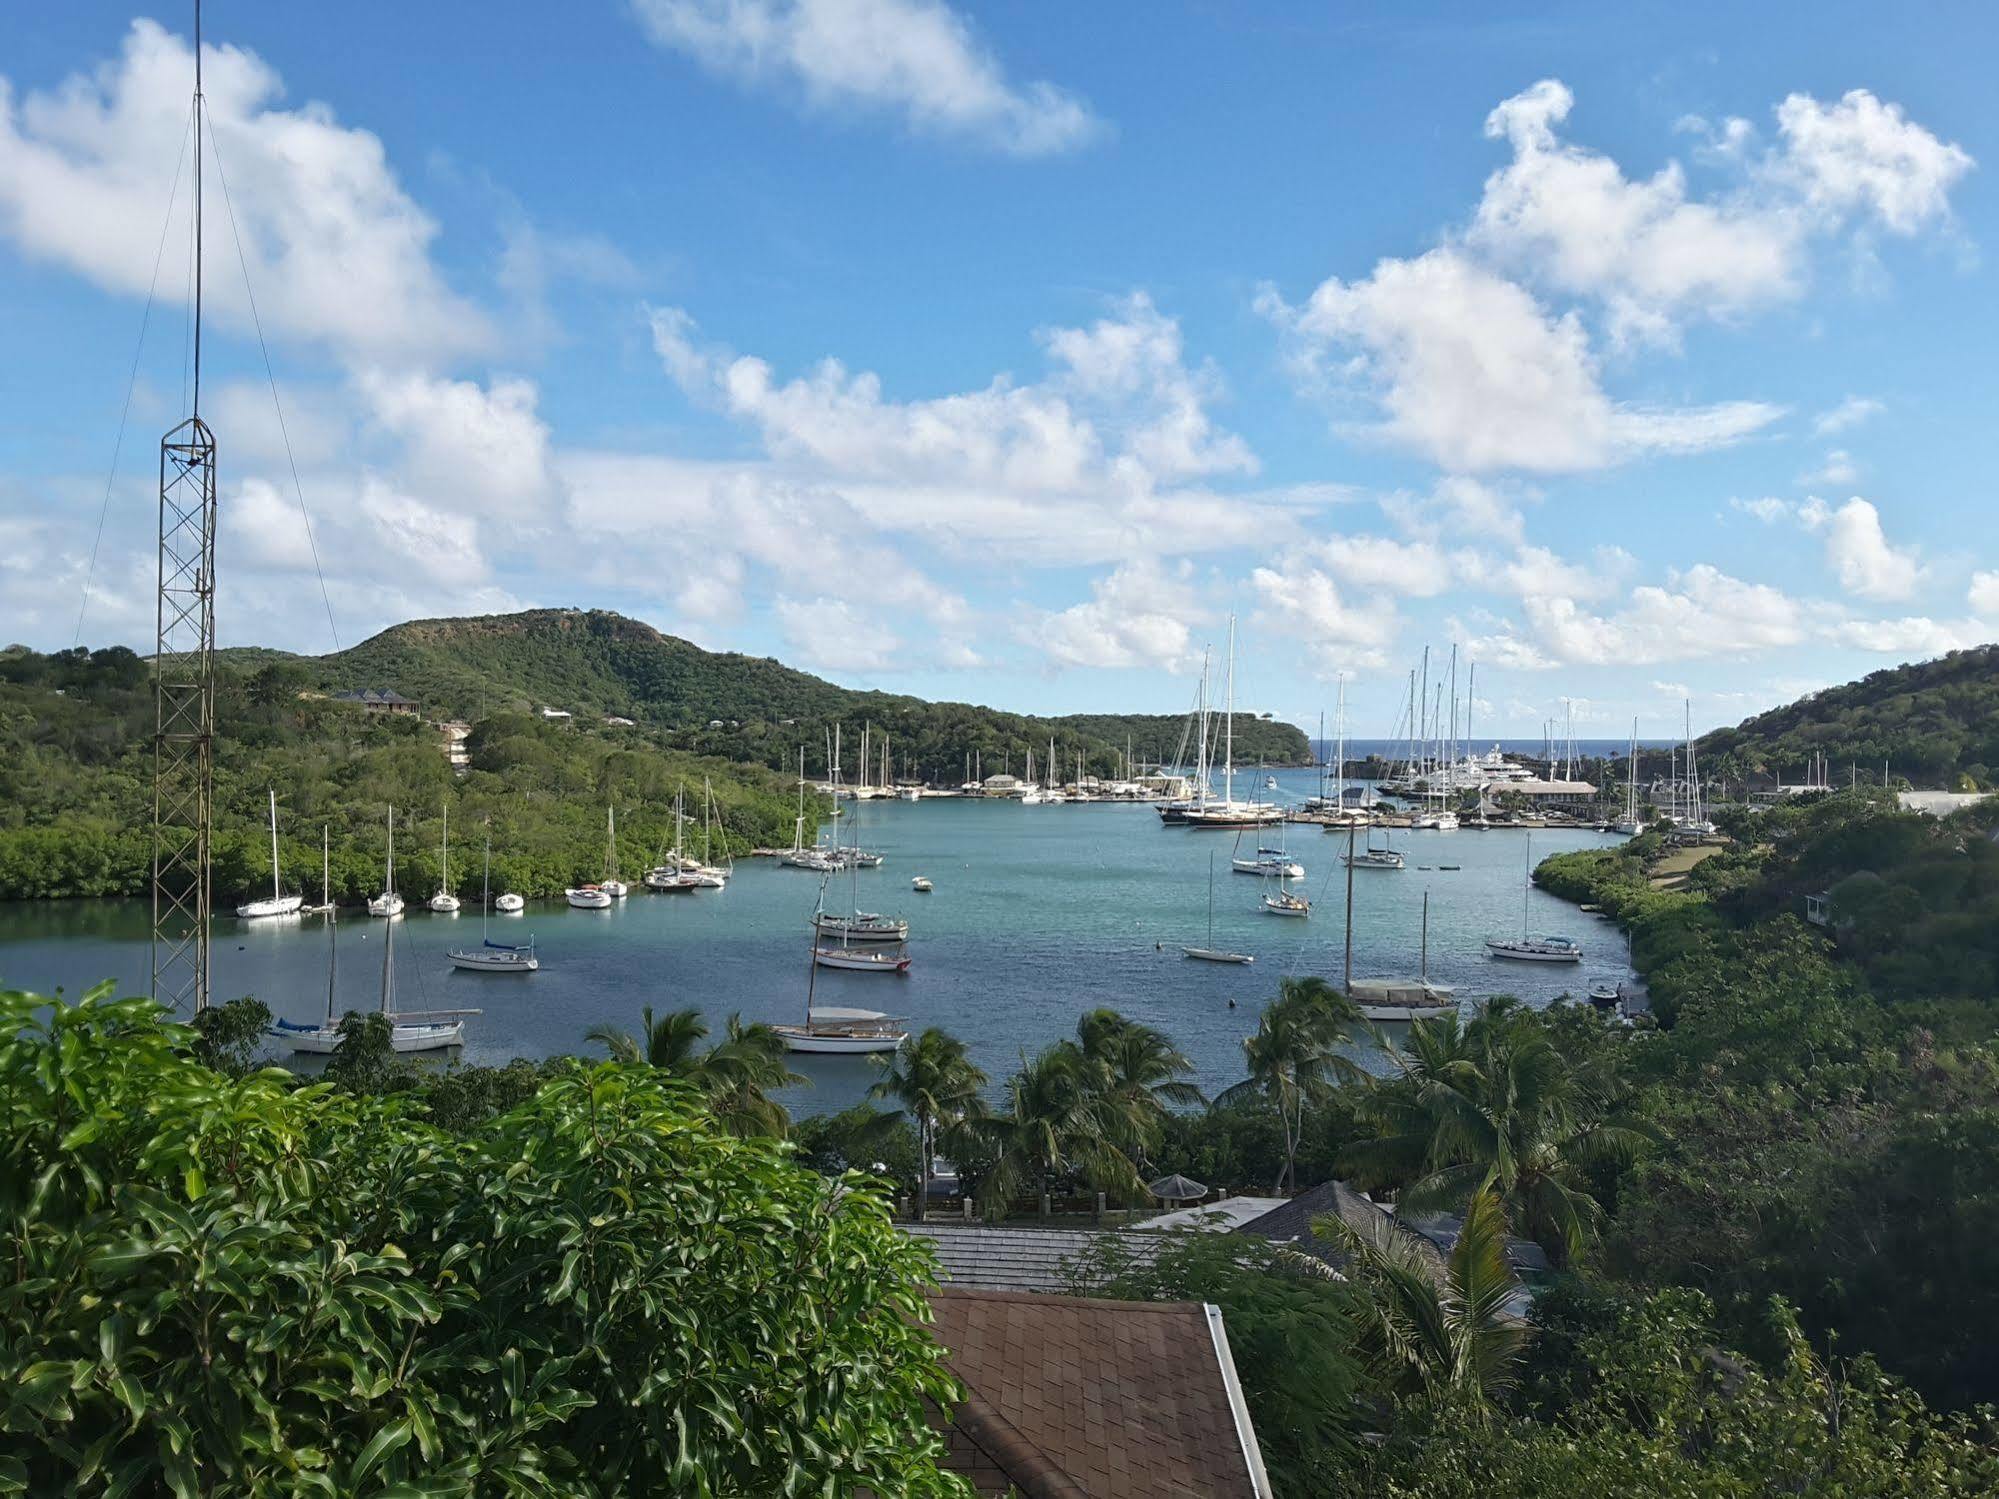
{"points": [[1073, 1397]]}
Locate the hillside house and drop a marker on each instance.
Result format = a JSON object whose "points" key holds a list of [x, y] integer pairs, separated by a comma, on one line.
{"points": [[379, 700]]}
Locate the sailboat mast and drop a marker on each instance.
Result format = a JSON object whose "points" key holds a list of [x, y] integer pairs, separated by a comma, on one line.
{"points": [[1340, 753], [276, 892], [1349, 932], [332, 948], [1228, 728], [1423, 973]]}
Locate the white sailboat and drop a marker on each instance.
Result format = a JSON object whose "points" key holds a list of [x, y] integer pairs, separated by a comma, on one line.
{"points": [[1212, 953], [509, 902], [280, 904], [1228, 812], [834, 1030], [589, 898], [409, 1031], [490, 956], [325, 876], [388, 903], [675, 873], [611, 885], [1532, 949], [1631, 825], [1370, 857], [444, 902]]}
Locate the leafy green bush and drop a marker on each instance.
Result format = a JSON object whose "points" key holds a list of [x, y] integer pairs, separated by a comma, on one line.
{"points": [[236, 1285]]}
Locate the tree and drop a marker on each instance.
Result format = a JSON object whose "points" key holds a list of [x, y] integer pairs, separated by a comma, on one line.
{"points": [[1293, 1060], [1433, 1339], [243, 1286], [736, 1075], [1136, 1072], [1053, 1124], [1494, 1104], [939, 1088]]}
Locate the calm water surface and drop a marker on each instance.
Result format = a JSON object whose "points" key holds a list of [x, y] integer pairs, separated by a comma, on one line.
{"points": [[1039, 914]]}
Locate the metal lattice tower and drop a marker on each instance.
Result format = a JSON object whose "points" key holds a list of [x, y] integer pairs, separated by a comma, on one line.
{"points": [[184, 675]]}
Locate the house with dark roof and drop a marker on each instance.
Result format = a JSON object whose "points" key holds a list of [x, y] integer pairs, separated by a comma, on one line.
{"points": [[381, 700], [1071, 1397], [1291, 1226], [974, 1257]]}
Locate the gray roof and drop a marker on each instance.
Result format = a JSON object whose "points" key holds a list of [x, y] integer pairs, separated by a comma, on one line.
{"points": [[1013, 1259], [1291, 1224], [374, 695]]}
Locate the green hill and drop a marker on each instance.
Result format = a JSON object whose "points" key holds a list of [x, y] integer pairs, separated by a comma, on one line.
{"points": [[1934, 722], [595, 663]]}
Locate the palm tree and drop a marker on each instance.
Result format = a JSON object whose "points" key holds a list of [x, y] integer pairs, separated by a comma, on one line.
{"points": [[1136, 1072], [1053, 1122], [1436, 1336], [1493, 1104], [735, 1075], [1292, 1059], [939, 1088]]}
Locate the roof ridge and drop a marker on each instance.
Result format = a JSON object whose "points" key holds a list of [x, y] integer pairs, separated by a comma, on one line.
{"points": [[1039, 1298]]}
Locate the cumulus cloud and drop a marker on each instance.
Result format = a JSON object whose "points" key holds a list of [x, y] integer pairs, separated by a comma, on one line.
{"points": [[1139, 615], [337, 251], [1983, 595], [1837, 467], [1700, 612], [1858, 550], [1472, 372], [1646, 248], [1862, 156], [916, 58], [1305, 604], [1913, 636], [485, 446]]}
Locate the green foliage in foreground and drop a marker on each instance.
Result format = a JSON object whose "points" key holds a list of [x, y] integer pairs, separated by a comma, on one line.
{"points": [[240, 1285]]}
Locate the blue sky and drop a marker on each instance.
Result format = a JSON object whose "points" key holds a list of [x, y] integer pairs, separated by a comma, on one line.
{"points": [[1000, 352]]}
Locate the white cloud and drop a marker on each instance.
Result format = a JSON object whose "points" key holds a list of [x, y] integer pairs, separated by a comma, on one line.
{"points": [[337, 250], [1140, 615], [1915, 636], [918, 58], [1650, 252], [835, 635], [1458, 506], [1475, 374], [1861, 156], [1305, 605], [1850, 412], [1700, 613], [1767, 509], [1858, 550], [1983, 595], [479, 446], [1836, 468]]}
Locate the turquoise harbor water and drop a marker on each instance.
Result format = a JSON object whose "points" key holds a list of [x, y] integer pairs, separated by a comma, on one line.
{"points": [[1039, 913]]}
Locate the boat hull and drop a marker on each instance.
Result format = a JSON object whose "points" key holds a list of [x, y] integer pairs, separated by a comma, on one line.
{"points": [[283, 905], [860, 962], [1396, 1014], [510, 903], [1518, 954], [1214, 955], [444, 905], [838, 1043], [320, 1040], [478, 962], [588, 900], [386, 905]]}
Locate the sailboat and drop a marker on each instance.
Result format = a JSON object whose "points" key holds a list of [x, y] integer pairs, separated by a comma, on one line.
{"points": [[444, 902], [838, 1030], [1267, 861], [1031, 794], [800, 855], [1370, 857], [325, 876], [508, 902], [280, 904], [1228, 812], [388, 903], [412, 1031], [1285, 902], [1527, 949], [1631, 825], [611, 885], [1211, 953], [714, 876], [859, 933], [1388, 1000], [673, 875], [490, 956]]}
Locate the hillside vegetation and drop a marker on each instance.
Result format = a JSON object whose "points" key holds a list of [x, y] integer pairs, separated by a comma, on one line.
{"points": [[1935, 723], [595, 663], [76, 788]]}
